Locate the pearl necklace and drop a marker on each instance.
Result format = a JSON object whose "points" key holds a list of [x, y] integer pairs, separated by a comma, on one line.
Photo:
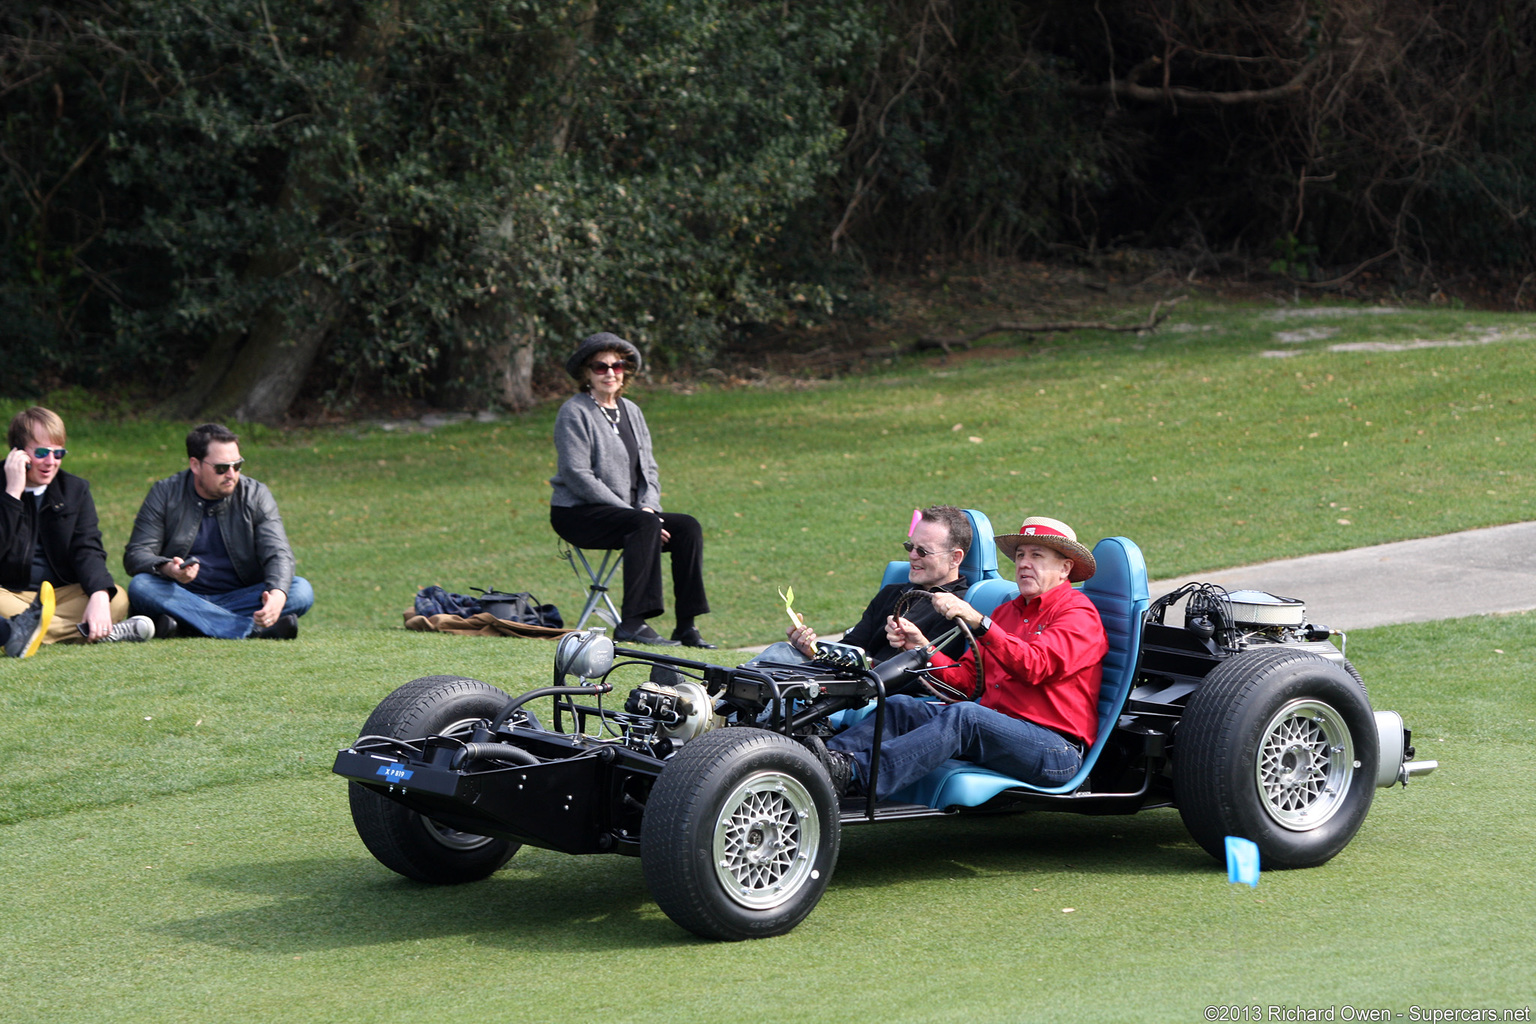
{"points": [[611, 415]]}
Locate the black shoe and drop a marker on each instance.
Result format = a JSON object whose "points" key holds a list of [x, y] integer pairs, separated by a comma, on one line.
{"points": [[285, 628], [690, 638], [165, 626], [642, 634], [28, 628], [839, 766]]}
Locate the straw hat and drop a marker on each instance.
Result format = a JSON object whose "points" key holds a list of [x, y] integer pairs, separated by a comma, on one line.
{"points": [[1054, 534]]}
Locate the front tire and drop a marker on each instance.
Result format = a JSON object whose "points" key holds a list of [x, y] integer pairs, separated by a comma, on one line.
{"points": [[740, 836], [404, 840], [1279, 747]]}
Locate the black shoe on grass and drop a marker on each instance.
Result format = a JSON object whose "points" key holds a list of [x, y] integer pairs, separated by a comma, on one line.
{"points": [[285, 628], [29, 628]]}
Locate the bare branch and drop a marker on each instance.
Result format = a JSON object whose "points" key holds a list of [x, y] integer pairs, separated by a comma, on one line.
{"points": [[1160, 311], [1121, 88]]}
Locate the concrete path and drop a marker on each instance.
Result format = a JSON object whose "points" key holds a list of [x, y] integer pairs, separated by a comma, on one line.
{"points": [[1477, 572]]}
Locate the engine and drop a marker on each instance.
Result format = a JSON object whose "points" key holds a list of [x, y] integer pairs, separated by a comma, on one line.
{"points": [[1243, 619], [678, 711]]}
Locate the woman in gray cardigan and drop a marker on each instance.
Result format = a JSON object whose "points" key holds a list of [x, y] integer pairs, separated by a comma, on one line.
{"points": [[607, 494]]}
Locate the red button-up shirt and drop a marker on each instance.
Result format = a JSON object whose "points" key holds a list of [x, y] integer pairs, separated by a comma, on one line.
{"points": [[1043, 662]]}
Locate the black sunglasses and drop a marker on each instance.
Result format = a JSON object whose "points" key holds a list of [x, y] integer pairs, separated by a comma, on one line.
{"points": [[922, 552], [43, 453], [599, 367], [224, 467]]}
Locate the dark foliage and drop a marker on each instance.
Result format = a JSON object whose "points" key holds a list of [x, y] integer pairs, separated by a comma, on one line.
{"points": [[228, 202]]}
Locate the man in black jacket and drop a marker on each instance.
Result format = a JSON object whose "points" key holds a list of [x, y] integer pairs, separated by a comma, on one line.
{"points": [[208, 550], [49, 534], [938, 545]]}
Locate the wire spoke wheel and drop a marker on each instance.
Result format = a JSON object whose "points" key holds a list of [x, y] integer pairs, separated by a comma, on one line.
{"points": [[764, 840], [1305, 764], [741, 834], [1278, 746]]}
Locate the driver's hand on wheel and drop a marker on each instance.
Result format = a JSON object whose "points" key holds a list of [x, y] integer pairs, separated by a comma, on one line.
{"points": [[902, 635], [952, 607]]}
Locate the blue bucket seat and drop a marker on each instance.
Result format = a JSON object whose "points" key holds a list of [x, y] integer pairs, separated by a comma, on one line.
{"points": [[1118, 590]]}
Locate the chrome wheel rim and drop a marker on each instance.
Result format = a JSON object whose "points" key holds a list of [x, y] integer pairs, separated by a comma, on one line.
{"points": [[1305, 765], [766, 839], [453, 838]]}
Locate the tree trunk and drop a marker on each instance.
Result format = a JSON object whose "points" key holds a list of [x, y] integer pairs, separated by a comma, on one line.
{"points": [[492, 361], [516, 383], [498, 332], [266, 375], [258, 378]]}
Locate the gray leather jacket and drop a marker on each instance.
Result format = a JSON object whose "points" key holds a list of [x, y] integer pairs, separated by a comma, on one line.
{"points": [[249, 522]]}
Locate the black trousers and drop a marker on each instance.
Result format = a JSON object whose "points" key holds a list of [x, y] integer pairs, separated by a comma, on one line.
{"points": [[639, 534]]}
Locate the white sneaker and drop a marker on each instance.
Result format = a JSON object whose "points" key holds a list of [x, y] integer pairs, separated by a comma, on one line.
{"points": [[135, 628]]}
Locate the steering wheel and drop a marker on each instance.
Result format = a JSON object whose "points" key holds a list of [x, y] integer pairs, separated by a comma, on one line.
{"points": [[940, 689], [944, 691]]}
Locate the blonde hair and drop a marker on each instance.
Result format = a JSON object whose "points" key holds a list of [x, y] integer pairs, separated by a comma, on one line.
{"points": [[39, 423]]}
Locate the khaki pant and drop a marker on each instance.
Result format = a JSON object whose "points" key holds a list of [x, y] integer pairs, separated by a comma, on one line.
{"points": [[68, 610]]}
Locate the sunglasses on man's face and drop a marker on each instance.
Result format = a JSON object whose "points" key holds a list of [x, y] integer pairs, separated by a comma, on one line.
{"points": [[598, 367], [43, 453], [224, 467], [922, 552]]}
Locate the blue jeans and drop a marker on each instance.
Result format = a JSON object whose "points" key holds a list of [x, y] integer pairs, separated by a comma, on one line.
{"points": [[225, 616], [781, 652], [920, 736]]}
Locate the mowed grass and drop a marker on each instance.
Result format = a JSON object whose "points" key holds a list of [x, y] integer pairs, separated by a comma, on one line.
{"points": [[1192, 441], [251, 899], [174, 847]]}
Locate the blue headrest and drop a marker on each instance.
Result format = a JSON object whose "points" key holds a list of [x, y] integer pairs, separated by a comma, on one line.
{"points": [[980, 562]]}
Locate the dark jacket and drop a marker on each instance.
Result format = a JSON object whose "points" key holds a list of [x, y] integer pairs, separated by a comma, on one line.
{"points": [[870, 632], [65, 524], [249, 522]]}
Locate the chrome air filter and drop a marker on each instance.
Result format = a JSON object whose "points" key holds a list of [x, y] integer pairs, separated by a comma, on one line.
{"points": [[1256, 608]]}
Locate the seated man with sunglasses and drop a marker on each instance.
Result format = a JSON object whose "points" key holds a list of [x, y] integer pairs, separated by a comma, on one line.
{"points": [[54, 583], [208, 555], [934, 552]]}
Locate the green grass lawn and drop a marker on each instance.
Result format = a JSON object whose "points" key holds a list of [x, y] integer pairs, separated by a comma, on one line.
{"points": [[173, 847], [217, 877], [1192, 441]]}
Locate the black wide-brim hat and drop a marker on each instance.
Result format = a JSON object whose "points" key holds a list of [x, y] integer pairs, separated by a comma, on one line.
{"points": [[603, 341]]}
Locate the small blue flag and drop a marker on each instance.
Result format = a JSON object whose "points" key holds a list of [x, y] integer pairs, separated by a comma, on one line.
{"points": [[1242, 861]]}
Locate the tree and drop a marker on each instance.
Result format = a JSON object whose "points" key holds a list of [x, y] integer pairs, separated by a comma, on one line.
{"points": [[421, 192]]}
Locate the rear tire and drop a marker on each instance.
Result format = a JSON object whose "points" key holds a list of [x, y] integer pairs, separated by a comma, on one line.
{"points": [[404, 840], [740, 836], [1279, 747]]}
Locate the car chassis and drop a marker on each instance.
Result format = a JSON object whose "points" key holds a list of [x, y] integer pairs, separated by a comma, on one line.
{"points": [[1254, 728]]}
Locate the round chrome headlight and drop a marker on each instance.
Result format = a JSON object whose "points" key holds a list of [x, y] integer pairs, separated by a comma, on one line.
{"points": [[586, 655]]}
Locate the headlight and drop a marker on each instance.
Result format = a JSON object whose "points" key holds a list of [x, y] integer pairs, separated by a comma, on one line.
{"points": [[587, 655]]}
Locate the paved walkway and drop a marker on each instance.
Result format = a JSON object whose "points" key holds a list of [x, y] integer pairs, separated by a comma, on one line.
{"points": [[1477, 572]]}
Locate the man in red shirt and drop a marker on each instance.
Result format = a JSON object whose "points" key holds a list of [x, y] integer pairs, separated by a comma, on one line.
{"points": [[1043, 654]]}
